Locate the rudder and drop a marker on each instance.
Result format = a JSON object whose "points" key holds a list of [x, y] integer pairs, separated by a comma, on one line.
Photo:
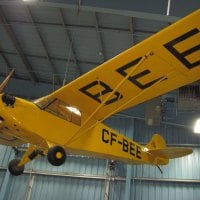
{"points": [[157, 142]]}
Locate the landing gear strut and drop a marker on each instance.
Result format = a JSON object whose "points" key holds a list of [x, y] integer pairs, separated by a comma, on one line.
{"points": [[14, 168], [56, 155]]}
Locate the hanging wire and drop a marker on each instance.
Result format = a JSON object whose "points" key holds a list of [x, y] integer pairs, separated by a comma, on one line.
{"points": [[67, 64], [168, 7], [30, 182], [79, 6], [53, 83]]}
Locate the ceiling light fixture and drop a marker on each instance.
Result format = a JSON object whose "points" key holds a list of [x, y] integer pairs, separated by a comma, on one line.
{"points": [[197, 126], [28, 0]]}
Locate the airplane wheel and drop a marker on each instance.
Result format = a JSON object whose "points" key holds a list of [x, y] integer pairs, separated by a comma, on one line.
{"points": [[14, 169], [56, 155]]}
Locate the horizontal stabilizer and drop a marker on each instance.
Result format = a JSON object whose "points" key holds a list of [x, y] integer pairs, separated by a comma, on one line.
{"points": [[171, 152]]}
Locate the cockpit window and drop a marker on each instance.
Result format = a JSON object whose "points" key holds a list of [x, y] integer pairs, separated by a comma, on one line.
{"points": [[64, 111]]}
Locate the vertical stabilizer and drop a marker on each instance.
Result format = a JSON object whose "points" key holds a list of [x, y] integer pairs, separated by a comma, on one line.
{"points": [[157, 142]]}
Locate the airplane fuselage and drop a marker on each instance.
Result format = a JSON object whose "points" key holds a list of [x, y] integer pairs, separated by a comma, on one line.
{"points": [[31, 124]]}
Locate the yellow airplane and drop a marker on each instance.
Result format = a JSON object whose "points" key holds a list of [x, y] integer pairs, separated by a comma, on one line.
{"points": [[69, 121]]}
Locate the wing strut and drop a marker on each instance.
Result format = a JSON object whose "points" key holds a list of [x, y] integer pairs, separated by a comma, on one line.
{"points": [[144, 58]]}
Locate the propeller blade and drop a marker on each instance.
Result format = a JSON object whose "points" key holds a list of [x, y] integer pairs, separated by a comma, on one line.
{"points": [[5, 82]]}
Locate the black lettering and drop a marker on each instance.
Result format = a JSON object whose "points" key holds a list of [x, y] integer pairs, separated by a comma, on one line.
{"points": [[105, 90], [134, 79], [125, 145], [113, 138], [122, 69], [138, 152], [105, 132], [181, 56], [96, 97], [132, 149], [120, 142]]}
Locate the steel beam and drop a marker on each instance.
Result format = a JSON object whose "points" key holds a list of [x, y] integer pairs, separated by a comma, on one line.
{"points": [[156, 10], [8, 66], [53, 58], [168, 180], [70, 41], [140, 118], [127, 194], [17, 46], [102, 177], [75, 27], [28, 89], [54, 70], [139, 8]]}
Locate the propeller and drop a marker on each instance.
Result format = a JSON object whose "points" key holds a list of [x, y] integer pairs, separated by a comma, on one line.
{"points": [[5, 82]]}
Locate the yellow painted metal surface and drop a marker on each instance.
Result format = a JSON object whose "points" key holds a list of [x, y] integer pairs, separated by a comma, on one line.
{"points": [[26, 157], [44, 130], [163, 62], [104, 142], [170, 60]]}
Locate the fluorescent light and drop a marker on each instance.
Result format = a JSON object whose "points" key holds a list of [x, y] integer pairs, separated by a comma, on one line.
{"points": [[197, 126]]}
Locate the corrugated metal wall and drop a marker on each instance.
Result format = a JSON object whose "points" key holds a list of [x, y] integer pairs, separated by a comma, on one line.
{"points": [[2, 175], [84, 178]]}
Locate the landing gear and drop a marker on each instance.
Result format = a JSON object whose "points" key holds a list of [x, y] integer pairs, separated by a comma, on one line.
{"points": [[14, 168], [56, 155]]}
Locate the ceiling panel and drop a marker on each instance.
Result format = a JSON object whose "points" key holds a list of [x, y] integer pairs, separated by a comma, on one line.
{"points": [[5, 41]]}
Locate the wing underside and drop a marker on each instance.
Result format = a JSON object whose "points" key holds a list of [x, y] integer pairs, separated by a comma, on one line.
{"points": [[9, 140], [6, 138]]}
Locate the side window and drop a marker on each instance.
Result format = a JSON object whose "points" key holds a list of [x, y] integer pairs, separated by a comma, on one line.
{"points": [[64, 111]]}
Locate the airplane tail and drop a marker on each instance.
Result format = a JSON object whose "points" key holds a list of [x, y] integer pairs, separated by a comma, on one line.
{"points": [[158, 149], [156, 142], [5, 82]]}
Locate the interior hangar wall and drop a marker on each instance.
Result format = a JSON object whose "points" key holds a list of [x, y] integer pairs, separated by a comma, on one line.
{"points": [[90, 178]]}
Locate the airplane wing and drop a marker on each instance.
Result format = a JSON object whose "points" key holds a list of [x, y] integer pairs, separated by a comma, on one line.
{"points": [[161, 63]]}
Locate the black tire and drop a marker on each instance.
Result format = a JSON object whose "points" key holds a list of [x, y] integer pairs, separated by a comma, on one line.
{"points": [[56, 155], [14, 169]]}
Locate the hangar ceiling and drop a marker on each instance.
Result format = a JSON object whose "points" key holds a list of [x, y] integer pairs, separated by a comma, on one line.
{"points": [[51, 43]]}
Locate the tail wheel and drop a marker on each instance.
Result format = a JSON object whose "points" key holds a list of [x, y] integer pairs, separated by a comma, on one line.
{"points": [[14, 168], [56, 155]]}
